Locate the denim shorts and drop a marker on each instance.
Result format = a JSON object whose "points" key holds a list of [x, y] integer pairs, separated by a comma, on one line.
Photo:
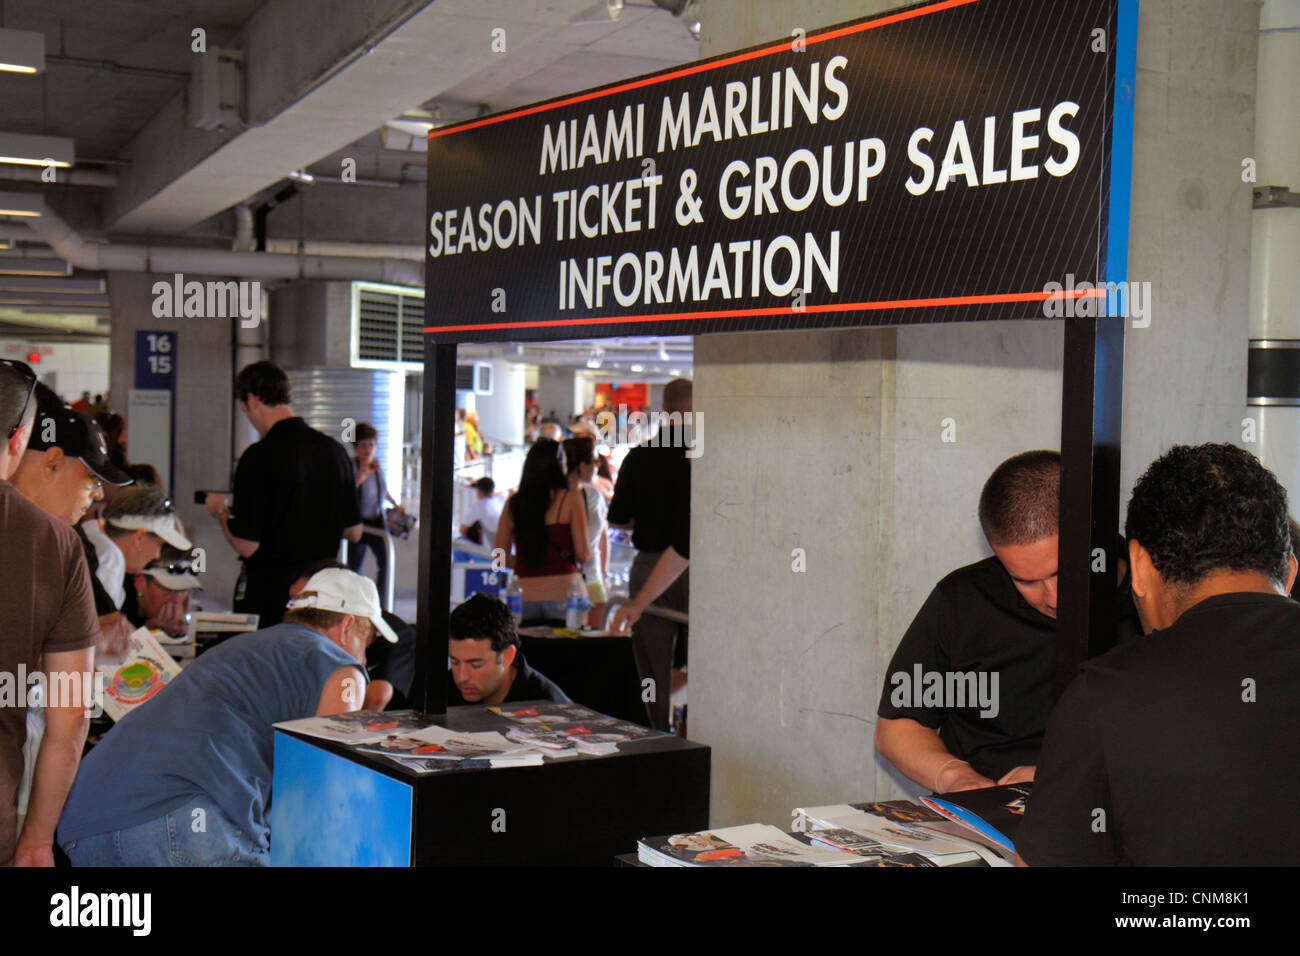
{"points": [[182, 837]]}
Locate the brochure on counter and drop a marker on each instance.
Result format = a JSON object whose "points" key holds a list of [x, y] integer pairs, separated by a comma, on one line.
{"points": [[758, 844], [138, 676], [418, 744], [910, 826], [992, 812]]}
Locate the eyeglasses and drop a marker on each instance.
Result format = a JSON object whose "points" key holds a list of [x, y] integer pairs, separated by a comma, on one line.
{"points": [[26, 371]]}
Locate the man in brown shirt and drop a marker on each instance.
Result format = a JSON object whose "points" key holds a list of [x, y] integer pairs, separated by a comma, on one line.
{"points": [[49, 623]]}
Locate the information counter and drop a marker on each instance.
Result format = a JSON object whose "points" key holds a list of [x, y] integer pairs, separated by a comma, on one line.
{"points": [[335, 806]]}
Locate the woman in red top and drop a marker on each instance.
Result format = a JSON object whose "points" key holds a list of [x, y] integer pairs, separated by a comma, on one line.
{"points": [[546, 526]]}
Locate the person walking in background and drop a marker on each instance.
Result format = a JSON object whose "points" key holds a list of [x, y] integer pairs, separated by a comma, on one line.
{"points": [[546, 526], [114, 427], [295, 495], [481, 519], [372, 494], [603, 475], [653, 498], [580, 453]]}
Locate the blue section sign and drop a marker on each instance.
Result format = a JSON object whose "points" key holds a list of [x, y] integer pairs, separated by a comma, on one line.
{"points": [[155, 360]]}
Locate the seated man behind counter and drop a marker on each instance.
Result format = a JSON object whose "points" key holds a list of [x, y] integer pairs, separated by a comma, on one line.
{"points": [[994, 620], [487, 665]]}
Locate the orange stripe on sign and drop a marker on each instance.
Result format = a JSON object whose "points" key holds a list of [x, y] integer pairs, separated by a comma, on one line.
{"points": [[782, 310], [697, 68]]}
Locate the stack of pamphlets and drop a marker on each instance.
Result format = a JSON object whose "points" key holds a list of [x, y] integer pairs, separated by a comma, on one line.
{"points": [[417, 744], [877, 854], [551, 712], [755, 844], [211, 627], [909, 827], [568, 729]]}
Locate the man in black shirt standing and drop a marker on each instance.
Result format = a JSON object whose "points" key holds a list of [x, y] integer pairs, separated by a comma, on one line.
{"points": [[295, 495], [653, 497], [970, 687], [1183, 748]]}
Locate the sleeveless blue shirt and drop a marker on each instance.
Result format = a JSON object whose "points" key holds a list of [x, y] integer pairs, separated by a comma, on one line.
{"points": [[207, 734]]}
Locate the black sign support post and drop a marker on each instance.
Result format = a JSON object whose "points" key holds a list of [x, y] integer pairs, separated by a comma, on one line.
{"points": [[1092, 389], [437, 476]]}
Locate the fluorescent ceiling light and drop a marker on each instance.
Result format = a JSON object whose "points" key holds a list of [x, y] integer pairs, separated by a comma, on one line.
{"points": [[26, 150], [66, 286], [34, 267], [22, 52], [21, 204]]}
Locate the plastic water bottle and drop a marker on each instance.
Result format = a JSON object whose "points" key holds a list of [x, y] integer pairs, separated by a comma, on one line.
{"points": [[576, 608], [514, 597]]}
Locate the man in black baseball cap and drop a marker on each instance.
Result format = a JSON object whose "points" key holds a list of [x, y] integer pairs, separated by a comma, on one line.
{"points": [[66, 463]]}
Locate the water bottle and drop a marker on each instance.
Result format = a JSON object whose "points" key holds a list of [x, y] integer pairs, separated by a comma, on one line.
{"points": [[514, 597], [576, 608]]}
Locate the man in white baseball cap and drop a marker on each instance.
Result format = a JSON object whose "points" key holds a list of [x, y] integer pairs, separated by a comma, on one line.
{"points": [[343, 592], [206, 742], [137, 521], [159, 596]]}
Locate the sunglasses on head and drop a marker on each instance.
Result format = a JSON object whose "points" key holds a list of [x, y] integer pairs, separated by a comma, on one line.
{"points": [[26, 371]]}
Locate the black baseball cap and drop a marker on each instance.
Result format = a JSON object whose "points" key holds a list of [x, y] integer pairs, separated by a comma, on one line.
{"points": [[76, 433]]}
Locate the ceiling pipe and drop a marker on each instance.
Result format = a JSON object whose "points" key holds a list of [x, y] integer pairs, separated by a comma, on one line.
{"points": [[66, 177], [243, 228], [69, 245], [362, 250], [264, 210]]}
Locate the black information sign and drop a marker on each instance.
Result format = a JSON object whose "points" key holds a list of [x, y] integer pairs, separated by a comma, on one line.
{"points": [[944, 162]]}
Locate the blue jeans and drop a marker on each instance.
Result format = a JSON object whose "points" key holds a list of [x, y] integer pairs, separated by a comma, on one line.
{"points": [[171, 840], [357, 557]]}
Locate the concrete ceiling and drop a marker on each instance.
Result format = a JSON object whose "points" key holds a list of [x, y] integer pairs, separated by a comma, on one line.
{"points": [[322, 78], [88, 91]]}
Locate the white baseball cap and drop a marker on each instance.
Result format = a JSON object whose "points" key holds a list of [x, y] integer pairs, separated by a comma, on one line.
{"points": [[165, 526], [343, 592]]}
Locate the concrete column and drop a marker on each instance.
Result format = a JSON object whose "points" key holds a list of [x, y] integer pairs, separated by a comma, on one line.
{"points": [[203, 416], [557, 390], [501, 414], [835, 442]]}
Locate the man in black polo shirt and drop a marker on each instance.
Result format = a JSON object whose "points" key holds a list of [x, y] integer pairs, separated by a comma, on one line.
{"points": [[652, 496], [295, 495], [487, 664], [970, 687], [1183, 748]]}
